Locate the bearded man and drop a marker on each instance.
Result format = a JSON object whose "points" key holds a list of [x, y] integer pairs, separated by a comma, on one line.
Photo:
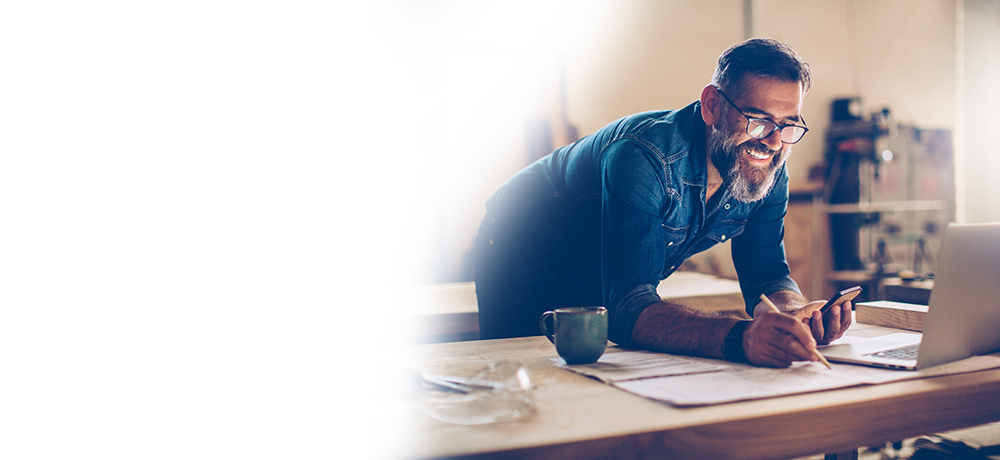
{"points": [[603, 220]]}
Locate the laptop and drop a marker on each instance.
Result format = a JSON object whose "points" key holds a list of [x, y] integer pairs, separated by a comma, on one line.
{"points": [[963, 316]]}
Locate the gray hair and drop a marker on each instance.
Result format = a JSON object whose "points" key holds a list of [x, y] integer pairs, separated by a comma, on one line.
{"points": [[762, 57]]}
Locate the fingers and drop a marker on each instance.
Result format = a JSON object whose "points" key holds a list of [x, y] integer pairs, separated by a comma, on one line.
{"points": [[833, 329], [777, 340], [845, 320], [805, 313], [798, 332], [832, 326], [817, 326]]}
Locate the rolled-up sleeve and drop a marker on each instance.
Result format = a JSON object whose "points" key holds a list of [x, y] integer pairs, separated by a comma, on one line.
{"points": [[759, 253], [632, 250]]}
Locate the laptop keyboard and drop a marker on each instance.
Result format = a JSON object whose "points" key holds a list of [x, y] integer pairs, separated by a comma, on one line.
{"points": [[907, 352]]}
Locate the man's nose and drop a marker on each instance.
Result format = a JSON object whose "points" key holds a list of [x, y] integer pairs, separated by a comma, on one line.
{"points": [[773, 141]]}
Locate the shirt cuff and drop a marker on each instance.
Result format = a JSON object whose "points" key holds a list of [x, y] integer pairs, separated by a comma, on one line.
{"points": [[622, 317]]}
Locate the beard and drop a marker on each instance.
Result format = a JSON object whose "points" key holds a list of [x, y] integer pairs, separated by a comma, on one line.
{"points": [[745, 181]]}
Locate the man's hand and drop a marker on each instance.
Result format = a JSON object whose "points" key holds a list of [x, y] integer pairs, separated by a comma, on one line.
{"points": [[824, 328], [829, 327], [777, 340]]}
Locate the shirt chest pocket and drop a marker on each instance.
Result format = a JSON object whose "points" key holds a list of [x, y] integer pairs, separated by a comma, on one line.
{"points": [[721, 233]]}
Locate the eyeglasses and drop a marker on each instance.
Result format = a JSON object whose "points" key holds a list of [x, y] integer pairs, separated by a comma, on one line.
{"points": [[761, 128]]}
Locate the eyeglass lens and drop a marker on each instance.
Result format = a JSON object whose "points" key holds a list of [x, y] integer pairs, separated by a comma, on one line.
{"points": [[760, 129]]}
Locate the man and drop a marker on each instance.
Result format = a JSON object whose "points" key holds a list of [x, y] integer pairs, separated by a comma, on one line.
{"points": [[603, 220]]}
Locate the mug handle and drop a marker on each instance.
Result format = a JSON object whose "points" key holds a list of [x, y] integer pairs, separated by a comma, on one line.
{"points": [[541, 324]]}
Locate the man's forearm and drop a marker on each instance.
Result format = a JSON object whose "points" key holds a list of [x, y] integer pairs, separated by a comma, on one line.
{"points": [[674, 328]]}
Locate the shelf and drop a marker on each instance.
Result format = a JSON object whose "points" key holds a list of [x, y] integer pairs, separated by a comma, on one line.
{"points": [[885, 206]]}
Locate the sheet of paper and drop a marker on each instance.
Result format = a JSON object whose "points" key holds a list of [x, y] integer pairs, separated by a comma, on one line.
{"points": [[687, 381], [631, 365], [743, 382]]}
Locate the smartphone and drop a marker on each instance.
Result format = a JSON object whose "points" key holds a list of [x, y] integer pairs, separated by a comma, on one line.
{"points": [[841, 297]]}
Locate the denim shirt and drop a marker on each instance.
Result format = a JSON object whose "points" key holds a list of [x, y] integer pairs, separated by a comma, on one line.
{"points": [[606, 218]]}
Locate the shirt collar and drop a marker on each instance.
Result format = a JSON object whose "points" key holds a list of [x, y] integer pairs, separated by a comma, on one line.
{"points": [[698, 173]]}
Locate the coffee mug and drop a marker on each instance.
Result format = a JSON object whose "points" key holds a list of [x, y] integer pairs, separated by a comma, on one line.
{"points": [[580, 334]]}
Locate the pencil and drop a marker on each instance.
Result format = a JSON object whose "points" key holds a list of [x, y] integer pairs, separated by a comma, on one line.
{"points": [[816, 352]]}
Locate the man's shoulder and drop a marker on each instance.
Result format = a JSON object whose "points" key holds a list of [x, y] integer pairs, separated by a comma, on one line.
{"points": [[679, 119], [669, 133]]}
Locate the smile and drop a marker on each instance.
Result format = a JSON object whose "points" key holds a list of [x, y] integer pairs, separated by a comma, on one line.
{"points": [[758, 155]]}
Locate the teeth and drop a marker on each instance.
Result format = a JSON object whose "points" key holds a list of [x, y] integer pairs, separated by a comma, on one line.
{"points": [[757, 155]]}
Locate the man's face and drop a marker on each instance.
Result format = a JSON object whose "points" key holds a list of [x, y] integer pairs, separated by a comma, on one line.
{"points": [[747, 165]]}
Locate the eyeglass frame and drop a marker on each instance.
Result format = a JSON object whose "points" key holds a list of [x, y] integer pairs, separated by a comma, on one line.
{"points": [[777, 127]]}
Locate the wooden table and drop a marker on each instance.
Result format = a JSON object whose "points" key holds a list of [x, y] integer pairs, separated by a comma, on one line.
{"points": [[579, 418]]}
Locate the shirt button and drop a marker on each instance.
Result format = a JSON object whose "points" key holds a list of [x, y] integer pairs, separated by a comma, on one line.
{"points": [[727, 205], [673, 267], [723, 237], [670, 243]]}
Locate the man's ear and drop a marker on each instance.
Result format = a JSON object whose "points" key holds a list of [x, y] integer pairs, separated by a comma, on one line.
{"points": [[710, 105]]}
